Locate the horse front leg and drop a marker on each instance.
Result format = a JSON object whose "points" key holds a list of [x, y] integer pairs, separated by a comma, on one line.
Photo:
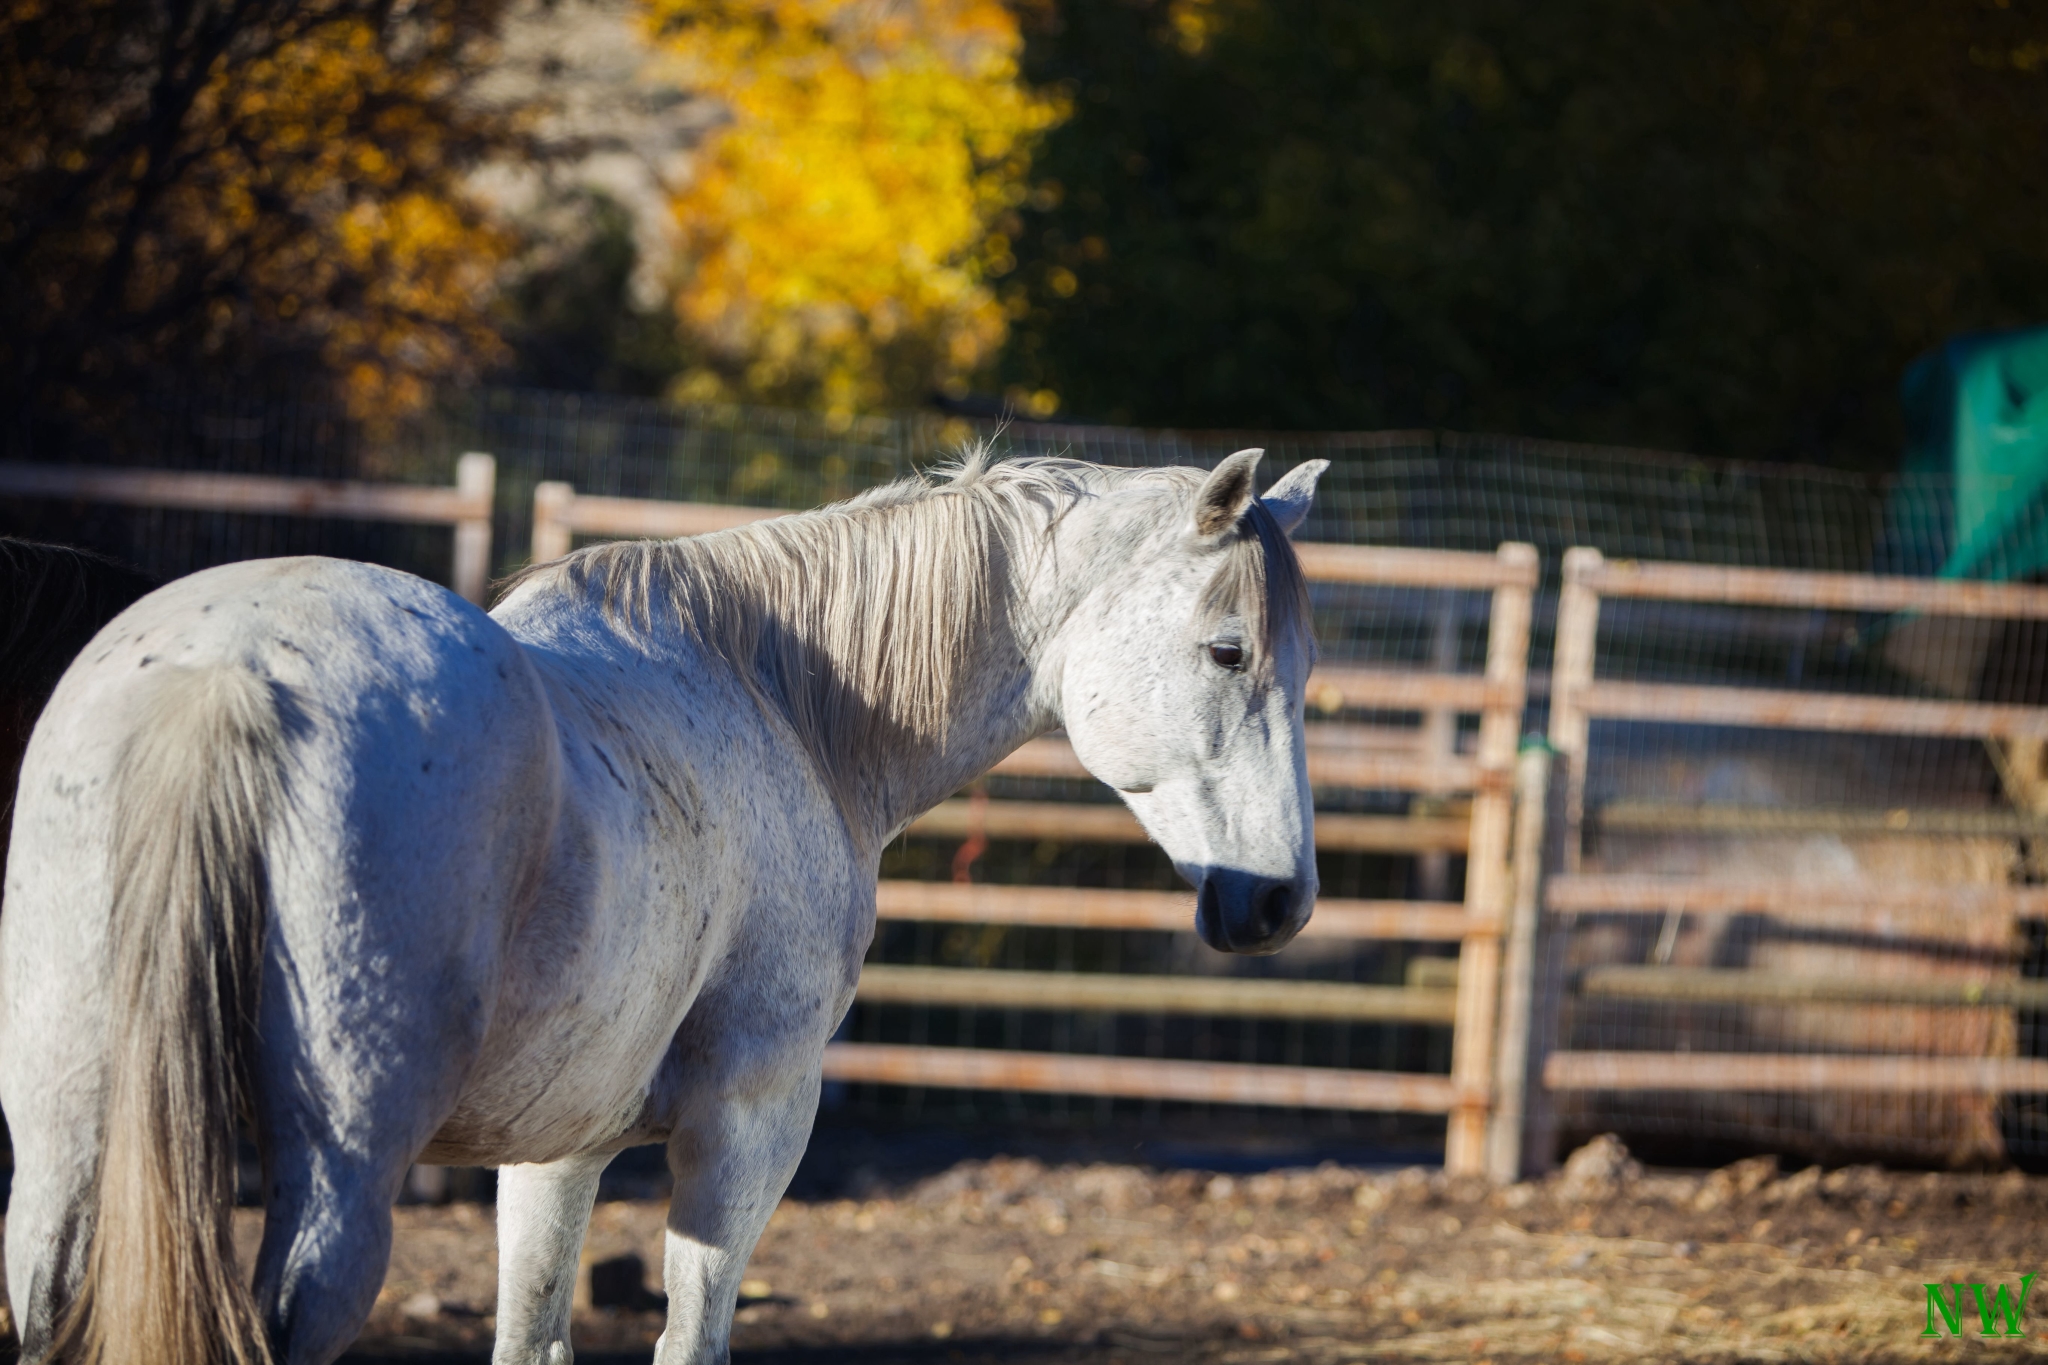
{"points": [[732, 1153]]}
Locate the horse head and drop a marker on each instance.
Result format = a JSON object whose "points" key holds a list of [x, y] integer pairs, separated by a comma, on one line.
{"points": [[1181, 682]]}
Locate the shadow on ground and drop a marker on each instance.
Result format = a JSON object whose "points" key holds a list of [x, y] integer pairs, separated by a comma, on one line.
{"points": [[998, 1351], [993, 1351], [851, 1160]]}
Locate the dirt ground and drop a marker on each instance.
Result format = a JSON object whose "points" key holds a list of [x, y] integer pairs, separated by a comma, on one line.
{"points": [[1010, 1260]]}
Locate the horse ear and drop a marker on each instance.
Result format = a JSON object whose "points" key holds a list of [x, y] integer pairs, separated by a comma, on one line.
{"points": [[1289, 499], [1226, 493]]}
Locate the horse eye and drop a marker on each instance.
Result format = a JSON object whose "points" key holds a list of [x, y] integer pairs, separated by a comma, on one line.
{"points": [[1227, 655]]}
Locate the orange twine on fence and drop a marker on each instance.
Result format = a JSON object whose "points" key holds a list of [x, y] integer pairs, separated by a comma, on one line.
{"points": [[977, 840]]}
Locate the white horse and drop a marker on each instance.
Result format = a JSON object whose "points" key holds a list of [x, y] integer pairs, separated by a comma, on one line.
{"points": [[320, 846]]}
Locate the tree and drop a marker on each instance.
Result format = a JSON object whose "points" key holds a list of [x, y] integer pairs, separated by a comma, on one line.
{"points": [[233, 184], [1716, 227], [573, 322], [844, 224]]}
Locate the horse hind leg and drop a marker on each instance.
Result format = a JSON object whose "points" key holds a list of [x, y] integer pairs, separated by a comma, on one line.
{"points": [[543, 1213], [50, 1209], [326, 1243], [342, 1116], [730, 1173], [738, 1132]]}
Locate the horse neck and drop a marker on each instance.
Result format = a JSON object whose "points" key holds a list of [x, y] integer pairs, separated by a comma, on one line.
{"points": [[997, 698], [1011, 692], [828, 621], [908, 777]]}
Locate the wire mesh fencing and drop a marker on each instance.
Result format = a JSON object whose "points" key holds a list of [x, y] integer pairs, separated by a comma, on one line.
{"points": [[1851, 814], [1437, 490]]}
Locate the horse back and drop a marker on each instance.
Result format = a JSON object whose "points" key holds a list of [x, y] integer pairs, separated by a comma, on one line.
{"points": [[417, 781]]}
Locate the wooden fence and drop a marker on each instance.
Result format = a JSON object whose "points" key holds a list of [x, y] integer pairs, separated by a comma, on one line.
{"points": [[466, 506], [1339, 756], [1497, 1016], [1898, 911]]}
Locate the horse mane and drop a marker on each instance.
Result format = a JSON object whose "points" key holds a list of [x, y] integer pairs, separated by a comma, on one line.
{"points": [[859, 620]]}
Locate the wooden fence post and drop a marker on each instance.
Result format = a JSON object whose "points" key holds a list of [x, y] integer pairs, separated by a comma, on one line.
{"points": [[1505, 1138], [1486, 869], [1571, 673], [476, 478], [552, 502], [1553, 945], [1439, 741]]}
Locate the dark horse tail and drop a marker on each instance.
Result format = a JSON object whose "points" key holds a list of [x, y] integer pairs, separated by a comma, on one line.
{"points": [[53, 599]]}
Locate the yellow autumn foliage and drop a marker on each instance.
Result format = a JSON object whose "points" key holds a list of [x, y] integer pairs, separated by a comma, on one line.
{"points": [[293, 190], [397, 282], [844, 223]]}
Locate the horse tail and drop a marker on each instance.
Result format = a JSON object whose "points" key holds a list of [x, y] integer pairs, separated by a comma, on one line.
{"points": [[195, 790]]}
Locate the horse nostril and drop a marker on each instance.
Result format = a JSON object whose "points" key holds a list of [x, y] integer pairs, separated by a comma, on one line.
{"points": [[1209, 915], [1242, 912], [1273, 906]]}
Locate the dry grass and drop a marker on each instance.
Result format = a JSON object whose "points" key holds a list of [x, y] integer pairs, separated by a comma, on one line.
{"points": [[1012, 1261]]}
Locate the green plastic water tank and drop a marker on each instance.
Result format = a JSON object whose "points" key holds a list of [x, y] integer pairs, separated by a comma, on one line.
{"points": [[1976, 412]]}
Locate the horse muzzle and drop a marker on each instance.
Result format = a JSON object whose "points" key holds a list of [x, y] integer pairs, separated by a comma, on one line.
{"points": [[1244, 912]]}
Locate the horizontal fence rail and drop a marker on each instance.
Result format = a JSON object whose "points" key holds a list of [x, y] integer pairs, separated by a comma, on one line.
{"points": [[1069, 820], [560, 513], [1401, 567], [1645, 816], [1745, 1071], [1733, 986], [1817, 901], [1681, 703], [1131, 994], [1294, 1087], [1332, 763], [1062, 907], [466, 506], [1340, 756], [1789, 588], [1329, 766]]}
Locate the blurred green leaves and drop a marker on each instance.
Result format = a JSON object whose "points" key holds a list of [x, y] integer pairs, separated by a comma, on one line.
{"points": [[1720, 227]]}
